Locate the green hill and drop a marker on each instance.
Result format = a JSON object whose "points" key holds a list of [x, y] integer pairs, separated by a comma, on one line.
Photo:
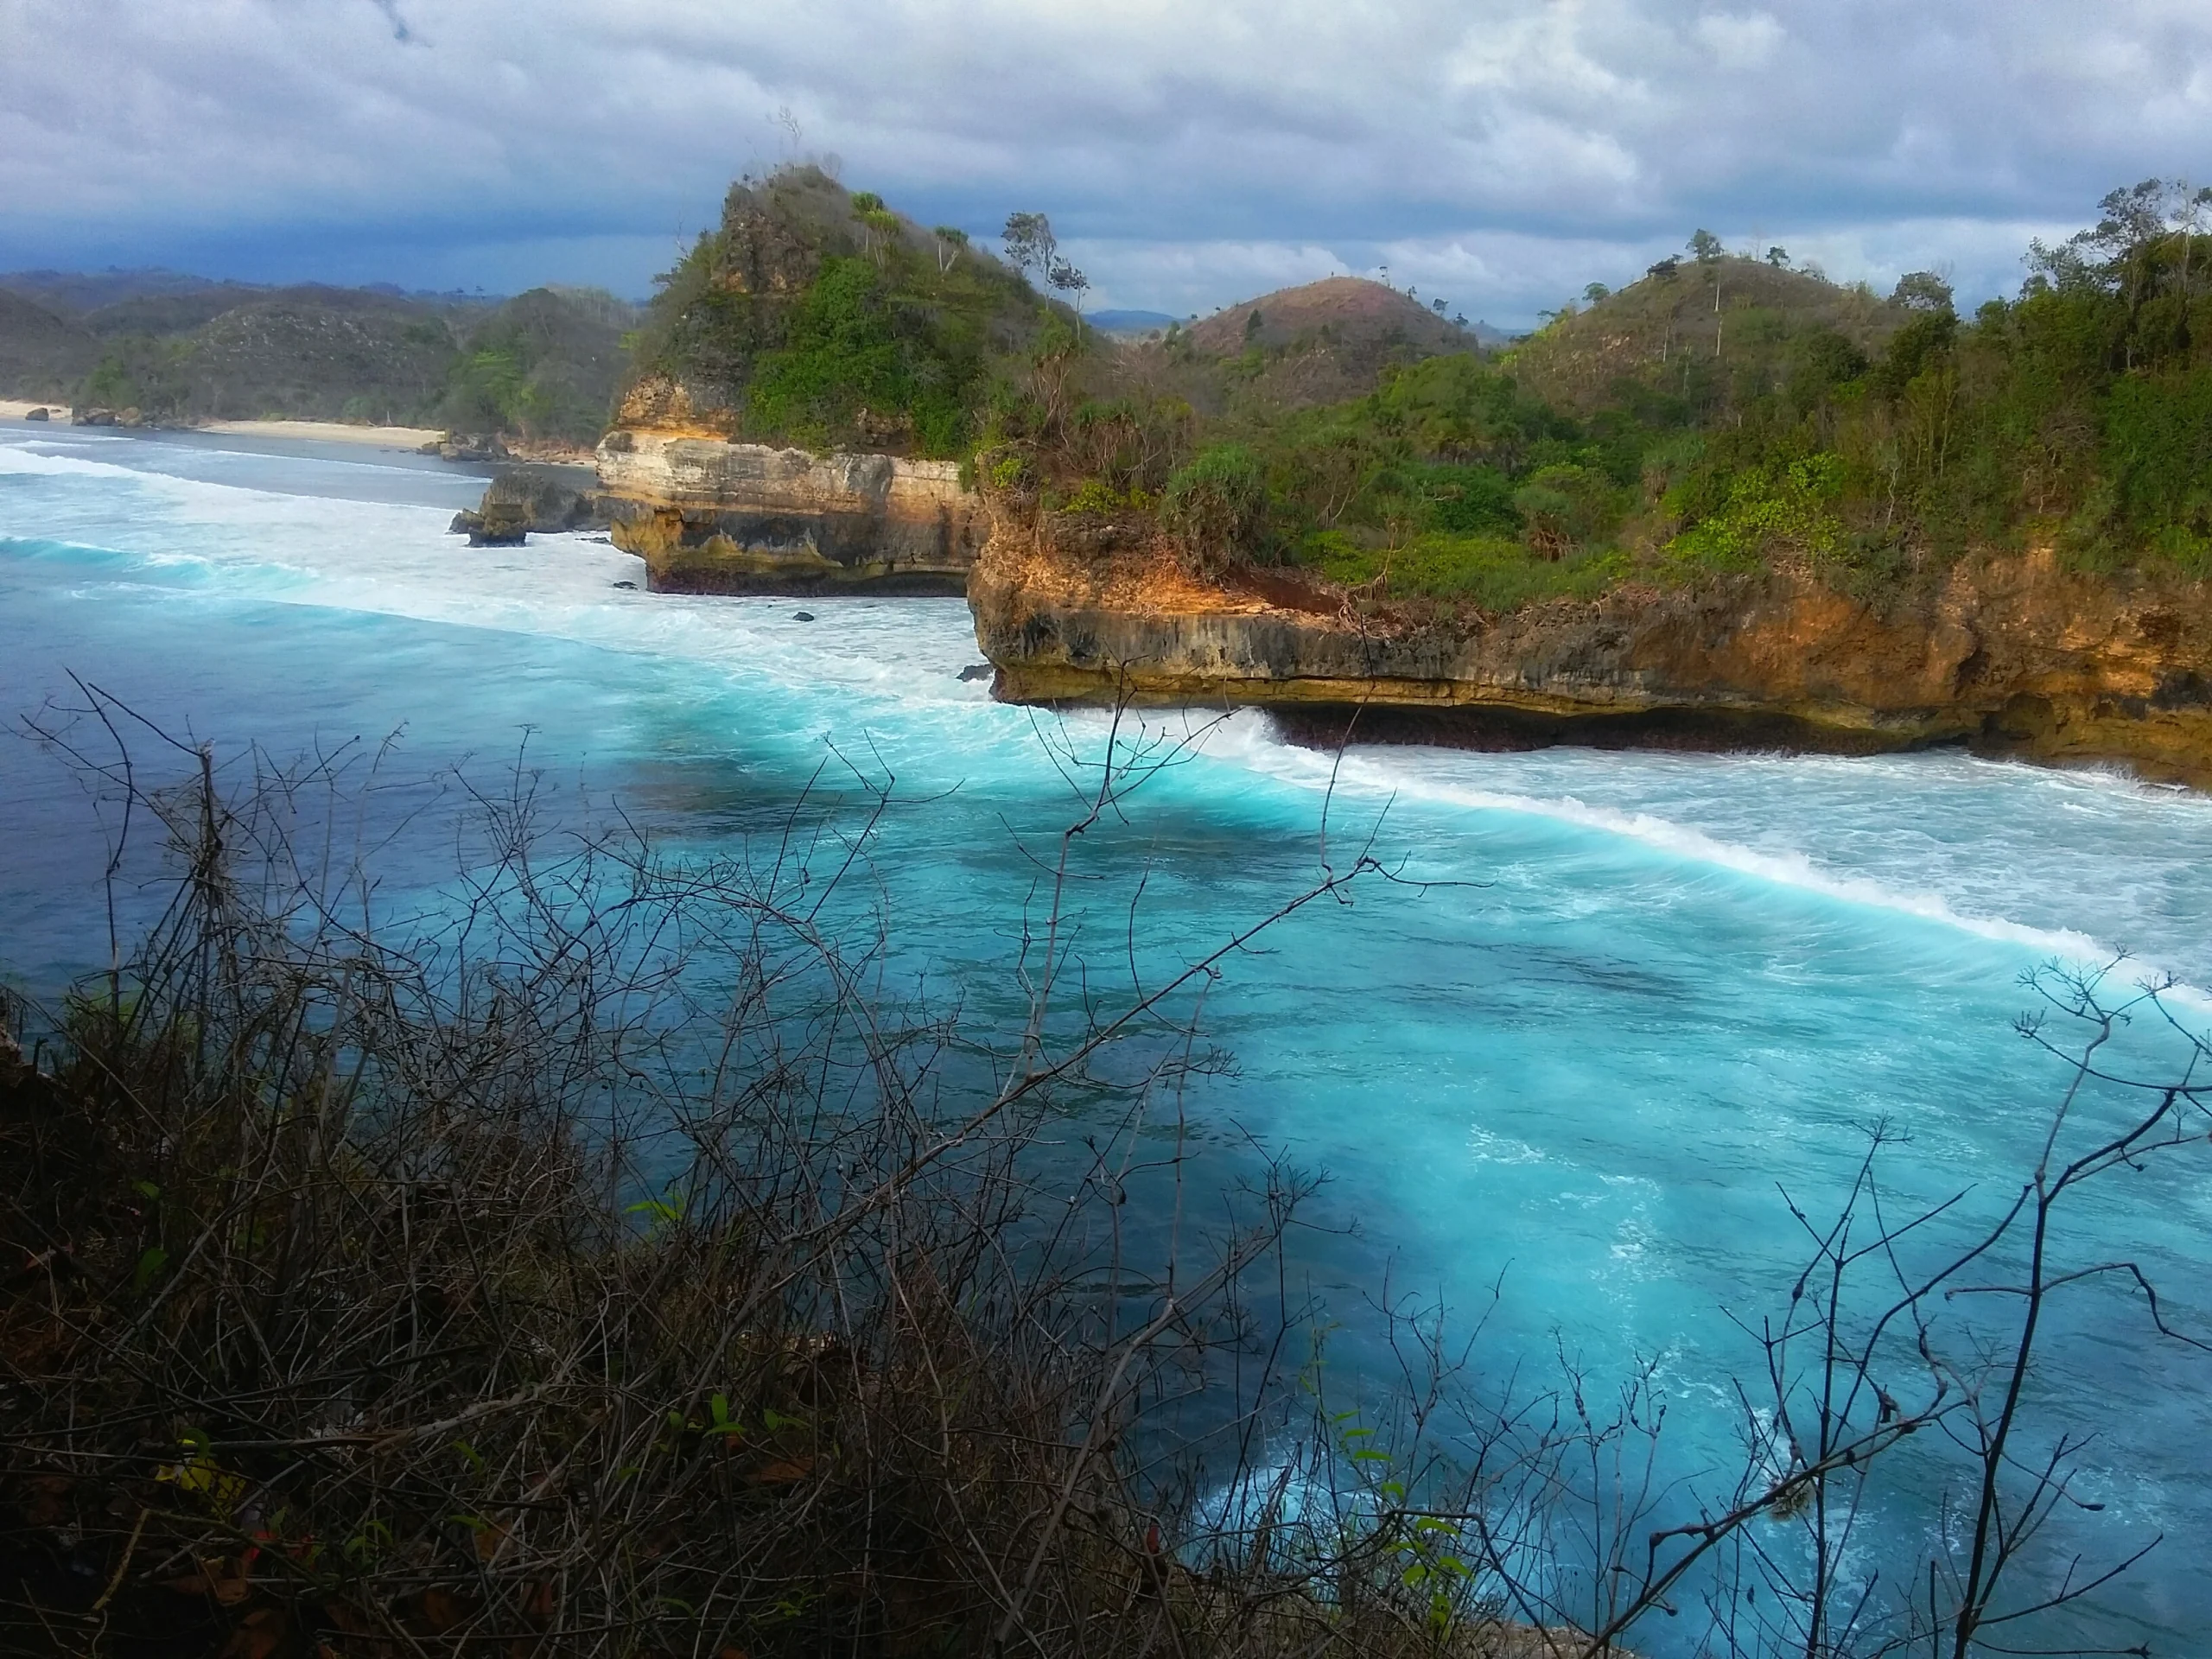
{"points": [[1319, 343], [544, 366], [1719, 417], [815, 315], [1724, 332], [42, 355]]}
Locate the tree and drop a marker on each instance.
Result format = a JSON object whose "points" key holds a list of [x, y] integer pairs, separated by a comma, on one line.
{"points": [[1705, 246], [1070, 281], [1665, 269], [1922, 290], [1030, 244], [949, 241], [1596, 291], [1778, 257]]}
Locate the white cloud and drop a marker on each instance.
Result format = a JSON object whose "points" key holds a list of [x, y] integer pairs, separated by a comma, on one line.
{"points": [[1192, 147], [1744, 42]]}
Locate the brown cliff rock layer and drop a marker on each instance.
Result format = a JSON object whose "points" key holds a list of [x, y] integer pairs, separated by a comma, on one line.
{"points": [[709, 515], [2008, 656]]}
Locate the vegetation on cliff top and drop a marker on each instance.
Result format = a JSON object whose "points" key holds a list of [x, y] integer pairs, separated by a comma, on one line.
{"points": [[817, 317], [1720, 415]]}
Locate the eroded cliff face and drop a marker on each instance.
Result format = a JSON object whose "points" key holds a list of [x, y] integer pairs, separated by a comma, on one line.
{"points": [[2007, 656], [709, 515]]}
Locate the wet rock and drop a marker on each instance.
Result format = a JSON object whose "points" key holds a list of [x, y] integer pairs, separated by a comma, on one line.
{"points": [[802, 616], [39, 415], [465, 446], [975, 672], [545, 498], [93, 417], [632, 586], [501, 524]]}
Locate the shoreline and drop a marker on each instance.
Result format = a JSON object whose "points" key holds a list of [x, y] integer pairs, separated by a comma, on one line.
{"points": [[383, 437], [414, 438]]}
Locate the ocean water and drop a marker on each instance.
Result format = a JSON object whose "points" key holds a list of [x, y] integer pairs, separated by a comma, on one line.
{"points": [[1610, 1016]]}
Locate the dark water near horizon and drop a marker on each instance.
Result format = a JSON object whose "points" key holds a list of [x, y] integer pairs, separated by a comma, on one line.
{"points": [[1638, 997]]}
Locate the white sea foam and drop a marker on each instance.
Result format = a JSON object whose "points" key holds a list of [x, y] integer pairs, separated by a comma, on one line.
{"points": [[1374, 774], [903, 656]]}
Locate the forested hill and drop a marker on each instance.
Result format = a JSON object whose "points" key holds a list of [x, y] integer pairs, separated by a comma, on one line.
{"points": [[819, 316], [1720, 415], [545, 365]]}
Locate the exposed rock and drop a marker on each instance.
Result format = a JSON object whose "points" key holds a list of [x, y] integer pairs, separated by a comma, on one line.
{"points": [[38, 414], [2007, 656], [464, 446], [711, 516], [93, 417], [501, 523], [802, 616]]}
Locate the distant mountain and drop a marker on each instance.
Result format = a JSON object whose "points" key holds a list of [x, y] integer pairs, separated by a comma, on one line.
{"points": [[1355, 313], [1134, 323], [1319, 343], [177, 348], [42, 355], [72, 293]]}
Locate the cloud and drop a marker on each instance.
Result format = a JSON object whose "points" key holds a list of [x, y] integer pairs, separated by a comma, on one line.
{"points": [[1515, 151]]}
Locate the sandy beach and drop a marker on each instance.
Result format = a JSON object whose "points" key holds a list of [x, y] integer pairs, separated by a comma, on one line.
{"points": [[383, 437]]}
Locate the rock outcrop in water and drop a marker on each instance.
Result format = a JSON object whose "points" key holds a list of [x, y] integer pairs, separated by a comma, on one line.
{"points": [[544, 497], [711, 516], [2006, 656]]}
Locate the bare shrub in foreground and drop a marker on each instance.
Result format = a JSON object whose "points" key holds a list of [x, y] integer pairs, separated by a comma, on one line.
{"points": [[607, 1261]]}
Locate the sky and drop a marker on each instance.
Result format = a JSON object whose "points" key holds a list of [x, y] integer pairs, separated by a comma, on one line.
{"points": [[1497, 153]]}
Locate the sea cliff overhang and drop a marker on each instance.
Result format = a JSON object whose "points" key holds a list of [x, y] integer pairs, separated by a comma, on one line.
{"points": [[709, 515]]}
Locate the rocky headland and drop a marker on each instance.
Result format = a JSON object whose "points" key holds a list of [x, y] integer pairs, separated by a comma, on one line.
{"points": [[712, 515], [2006, 656]]}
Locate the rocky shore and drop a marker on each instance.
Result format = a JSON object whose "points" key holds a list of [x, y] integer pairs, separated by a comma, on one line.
{"points": [[711, 516], [2004, 656]]}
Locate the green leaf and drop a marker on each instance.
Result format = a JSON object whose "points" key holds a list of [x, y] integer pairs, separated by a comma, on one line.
{"points": [[149, 1269]]}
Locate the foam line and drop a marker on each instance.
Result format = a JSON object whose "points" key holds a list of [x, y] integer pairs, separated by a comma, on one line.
{"points": [[1367, 772]]}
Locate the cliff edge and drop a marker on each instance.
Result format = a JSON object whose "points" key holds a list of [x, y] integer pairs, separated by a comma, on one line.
{"points": [[2007, 656], [710, 515]]}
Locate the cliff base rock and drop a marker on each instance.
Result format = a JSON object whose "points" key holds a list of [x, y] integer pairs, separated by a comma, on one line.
{"points": [[2012, 656], [710, 516]]}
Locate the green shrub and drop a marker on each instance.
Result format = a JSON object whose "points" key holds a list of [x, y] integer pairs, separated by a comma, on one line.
{"points": [[1783, 503], [1216, 508]]}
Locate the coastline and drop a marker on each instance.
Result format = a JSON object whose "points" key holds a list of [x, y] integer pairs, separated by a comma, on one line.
{"points": [[383, 437]]}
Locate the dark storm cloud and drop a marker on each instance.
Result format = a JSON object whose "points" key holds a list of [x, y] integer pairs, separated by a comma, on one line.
{"points": [[1499, 155]]}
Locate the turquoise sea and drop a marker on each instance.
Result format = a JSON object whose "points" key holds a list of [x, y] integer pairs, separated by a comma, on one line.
{"points": [[1619, 1013]]}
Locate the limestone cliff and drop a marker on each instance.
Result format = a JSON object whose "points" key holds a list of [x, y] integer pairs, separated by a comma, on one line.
{"points": [[709, 515], [2009, 656]]}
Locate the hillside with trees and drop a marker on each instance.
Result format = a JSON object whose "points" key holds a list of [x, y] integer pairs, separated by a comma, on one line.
{"points": [[1720, 415], [178, 350], [817, 316]]}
